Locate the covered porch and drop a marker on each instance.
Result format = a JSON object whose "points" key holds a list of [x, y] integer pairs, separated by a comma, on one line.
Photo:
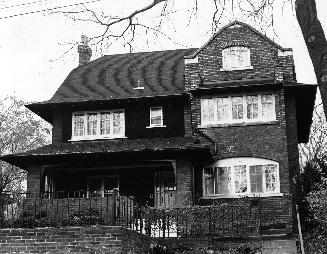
{"points": [[156, 172]]}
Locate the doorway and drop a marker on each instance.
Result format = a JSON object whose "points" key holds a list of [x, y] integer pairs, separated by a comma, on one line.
{"points": [[164, 189]]}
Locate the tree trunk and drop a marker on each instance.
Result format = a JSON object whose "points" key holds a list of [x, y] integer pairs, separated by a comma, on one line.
{"points": [[315, 40]]}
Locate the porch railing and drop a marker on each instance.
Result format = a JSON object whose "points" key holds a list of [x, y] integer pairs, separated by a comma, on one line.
{"points": [[237, 218]]}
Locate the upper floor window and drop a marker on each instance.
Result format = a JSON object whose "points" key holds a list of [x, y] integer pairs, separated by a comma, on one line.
{"points": [[241, 176], [235, 58], [96, 125], [238, 109], [156, 117]]}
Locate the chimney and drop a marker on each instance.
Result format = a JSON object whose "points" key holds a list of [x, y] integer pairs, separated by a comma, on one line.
{"points": [[84, 51]]}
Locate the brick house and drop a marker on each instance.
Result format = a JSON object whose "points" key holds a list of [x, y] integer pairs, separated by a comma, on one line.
{"points": [[178, 127]]}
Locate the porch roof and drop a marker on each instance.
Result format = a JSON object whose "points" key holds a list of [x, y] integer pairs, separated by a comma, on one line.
{"points": [[105, 147]]}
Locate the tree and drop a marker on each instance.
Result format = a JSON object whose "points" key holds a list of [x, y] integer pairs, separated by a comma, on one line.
{"points": [[261, 12], [20, 130]]}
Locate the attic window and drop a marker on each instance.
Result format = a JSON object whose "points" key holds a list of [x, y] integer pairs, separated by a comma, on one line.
{"points": [[236, 58]]}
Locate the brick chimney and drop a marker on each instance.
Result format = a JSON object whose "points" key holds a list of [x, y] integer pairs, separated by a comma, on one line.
{"points": [[84, 51]]}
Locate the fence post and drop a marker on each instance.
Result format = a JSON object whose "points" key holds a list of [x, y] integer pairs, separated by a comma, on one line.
{"points": [[114, 207], [260, 217]]}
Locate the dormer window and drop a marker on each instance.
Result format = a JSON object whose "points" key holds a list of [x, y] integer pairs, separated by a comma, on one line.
{"points": [[98, 125], [236, 58]]}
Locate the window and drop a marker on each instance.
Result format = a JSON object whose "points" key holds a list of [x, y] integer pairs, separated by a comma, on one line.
{"points": [[238, 109], [156, 117], [101, 186], [236, 58], [94, 125], [241, 176]]}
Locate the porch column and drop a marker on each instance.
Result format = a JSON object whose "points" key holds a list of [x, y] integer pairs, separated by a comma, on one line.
{"points": [[183, 182], [34, 178]]}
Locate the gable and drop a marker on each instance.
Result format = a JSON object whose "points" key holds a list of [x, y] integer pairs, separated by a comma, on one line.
{"points": [[236, 25], [263, 58]]}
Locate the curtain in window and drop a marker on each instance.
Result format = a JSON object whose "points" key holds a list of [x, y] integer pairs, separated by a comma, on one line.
{"points": [[267, 105], [207, 110], [222, 109], [79, 125], [105, 124], [271, 178], [240, 179], [237, 107], [252, 107], [118, 122], [92, 124]]}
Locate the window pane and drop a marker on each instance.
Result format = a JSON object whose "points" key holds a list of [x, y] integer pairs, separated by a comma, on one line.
{"points": [[271, 178], [79, 125], [222, 109], [256, 173], [118, 121], [207, 110], [240, 179], [209, 181], [91, 124], [156, 116], [237, 107], [154, 112], [267, 106], [223, 180], [105, 123], [236, 57], [252, 107]]}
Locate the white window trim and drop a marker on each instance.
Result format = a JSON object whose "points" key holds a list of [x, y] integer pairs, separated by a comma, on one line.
{"points": [[248, 161], [230, 119], [156, 125], [246, 67], [102, 183], [98, 136]]}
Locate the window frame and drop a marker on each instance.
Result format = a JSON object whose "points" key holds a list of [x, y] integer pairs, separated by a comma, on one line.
{"points": [[98, 128], [230, 120], [233, 68], [248, 162], [161, 115]]}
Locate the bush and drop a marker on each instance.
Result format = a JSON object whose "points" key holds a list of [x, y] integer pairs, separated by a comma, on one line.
{"points": [[84, 218]]}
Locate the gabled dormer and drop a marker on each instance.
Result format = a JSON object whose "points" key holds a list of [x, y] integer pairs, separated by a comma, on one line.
{"points": [[238, 52]]}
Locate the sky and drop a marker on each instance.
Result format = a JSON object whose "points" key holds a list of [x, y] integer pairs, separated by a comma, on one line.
{"points": [[38, 50]]}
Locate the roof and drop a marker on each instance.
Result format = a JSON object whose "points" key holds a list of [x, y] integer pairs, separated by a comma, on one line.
{"points": [[305, 95], [115, 146], [240, 24], [116, 76]]}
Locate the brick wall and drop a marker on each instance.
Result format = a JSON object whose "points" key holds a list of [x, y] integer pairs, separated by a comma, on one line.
{"points": [[33, 178], [183, 182], [97, 239], [267, 60]]}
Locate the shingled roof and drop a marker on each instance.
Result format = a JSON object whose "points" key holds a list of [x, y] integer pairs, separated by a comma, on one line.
{"points": [[109, 147], [116, 76]]}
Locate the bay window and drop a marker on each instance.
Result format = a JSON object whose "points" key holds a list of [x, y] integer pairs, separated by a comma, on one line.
{"points": [[97, 125], [241, 176], [238, 109]]}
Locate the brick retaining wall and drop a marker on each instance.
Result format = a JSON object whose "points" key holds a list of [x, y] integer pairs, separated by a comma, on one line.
{"points": [[97, 239]]}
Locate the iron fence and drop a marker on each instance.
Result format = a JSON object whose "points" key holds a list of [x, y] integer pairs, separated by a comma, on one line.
{"points": [[236, 218]]}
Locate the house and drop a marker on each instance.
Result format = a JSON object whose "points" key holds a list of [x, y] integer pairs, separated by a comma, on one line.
{"points": [[178, 128]]}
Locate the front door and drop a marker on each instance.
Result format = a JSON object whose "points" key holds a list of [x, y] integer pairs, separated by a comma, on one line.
{"points": [[164, 190]]}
